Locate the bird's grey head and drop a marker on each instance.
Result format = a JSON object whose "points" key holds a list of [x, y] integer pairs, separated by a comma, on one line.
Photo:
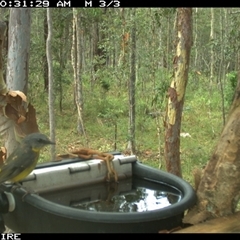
{"points": [[37, 140]]}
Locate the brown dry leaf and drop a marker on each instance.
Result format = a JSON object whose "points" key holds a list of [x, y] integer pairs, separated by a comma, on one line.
{"points": [[16, 106], [17, 113], [18, 93], [11, 113], [148, 152], [29, 125], [21, 119]]}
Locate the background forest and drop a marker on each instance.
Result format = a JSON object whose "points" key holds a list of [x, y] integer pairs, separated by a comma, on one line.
{"points": [[104, 76]]}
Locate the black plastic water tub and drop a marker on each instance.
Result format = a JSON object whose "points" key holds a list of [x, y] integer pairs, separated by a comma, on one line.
{"points": [[34, 213]]}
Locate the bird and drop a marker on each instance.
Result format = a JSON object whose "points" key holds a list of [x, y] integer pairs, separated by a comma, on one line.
{"points": [[24, 158]]}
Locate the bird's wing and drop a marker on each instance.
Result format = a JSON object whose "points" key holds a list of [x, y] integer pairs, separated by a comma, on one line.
{"points": [[8, 172], [17, 162]]}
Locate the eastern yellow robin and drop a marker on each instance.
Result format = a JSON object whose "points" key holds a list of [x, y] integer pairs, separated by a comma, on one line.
{"points": [[24, 158]]}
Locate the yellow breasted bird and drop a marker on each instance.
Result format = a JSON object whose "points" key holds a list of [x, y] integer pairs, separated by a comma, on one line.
{"points": [[24, 158]]}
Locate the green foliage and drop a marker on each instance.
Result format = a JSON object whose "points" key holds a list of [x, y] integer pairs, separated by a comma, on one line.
{"points": [[110, 109], [161, 90], [105, 90], [231, 83], [103, 110]]}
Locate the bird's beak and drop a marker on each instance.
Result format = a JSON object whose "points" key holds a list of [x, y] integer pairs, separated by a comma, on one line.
{"points": [[50, 142]]}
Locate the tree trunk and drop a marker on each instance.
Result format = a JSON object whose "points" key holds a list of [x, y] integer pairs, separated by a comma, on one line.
{"points": [[212, 50], [18, 58], [50, 83], [222, 68], [131, 87], [218, 191], [4, 124], [196, 40], [176, 91], [168, 54], [17, 116], [124, 41], [45, 63], [76, 63], [99, 53], [19, 46], [3, 28]]}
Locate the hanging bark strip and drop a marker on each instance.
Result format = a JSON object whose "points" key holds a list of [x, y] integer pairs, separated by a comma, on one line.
{"points": [[176, 91]]}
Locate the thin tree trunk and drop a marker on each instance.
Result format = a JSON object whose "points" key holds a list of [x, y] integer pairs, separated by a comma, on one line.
{"points": [[45, 63], [176, 92], [50, 83], [168, 53], [221, 71], [76, 63], [195, 39], [212, 50], [99, 51], [131, 87]]}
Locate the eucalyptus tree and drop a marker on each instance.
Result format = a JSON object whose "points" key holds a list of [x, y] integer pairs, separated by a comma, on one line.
{"points": [[77, 68], [131, 88], [218, 190], [176, 91], [50, 82], [18, 58]]}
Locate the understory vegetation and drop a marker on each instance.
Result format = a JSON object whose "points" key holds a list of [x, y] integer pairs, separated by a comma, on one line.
{"points": [[105, 54], [106, 122]]}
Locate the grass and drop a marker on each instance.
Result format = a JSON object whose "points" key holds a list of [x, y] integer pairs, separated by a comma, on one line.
{"points": [[202, 119]]}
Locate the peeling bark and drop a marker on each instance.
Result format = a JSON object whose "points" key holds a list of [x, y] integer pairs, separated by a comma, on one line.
{"points": [[219, 189], [18, 58], [176, 91]]}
